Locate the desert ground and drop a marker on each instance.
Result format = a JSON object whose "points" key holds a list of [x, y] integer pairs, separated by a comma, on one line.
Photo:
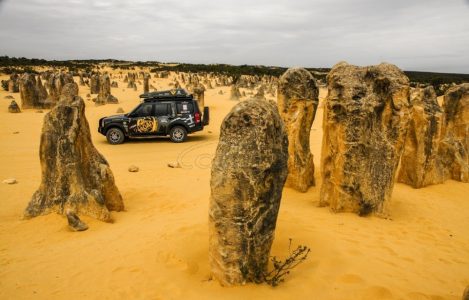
{"points": [[158, 247]]}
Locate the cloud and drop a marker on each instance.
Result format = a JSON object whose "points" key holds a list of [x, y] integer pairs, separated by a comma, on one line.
{"points": [[415, 35]]}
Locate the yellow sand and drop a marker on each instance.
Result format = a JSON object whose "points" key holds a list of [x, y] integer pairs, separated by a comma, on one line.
{"points": [[157, 248]]}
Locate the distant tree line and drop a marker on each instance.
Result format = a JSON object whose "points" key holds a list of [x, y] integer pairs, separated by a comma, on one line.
{"points": [[9, 65]]}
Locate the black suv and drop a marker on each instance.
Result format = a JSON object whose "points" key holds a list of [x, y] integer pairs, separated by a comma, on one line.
{"points": [[175, 113]]}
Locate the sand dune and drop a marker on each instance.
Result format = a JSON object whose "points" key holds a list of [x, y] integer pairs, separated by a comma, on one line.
{"points": [[158, 247]]}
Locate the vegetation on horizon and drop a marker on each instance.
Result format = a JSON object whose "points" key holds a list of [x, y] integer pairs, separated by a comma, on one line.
{"points": [[9, 65]]}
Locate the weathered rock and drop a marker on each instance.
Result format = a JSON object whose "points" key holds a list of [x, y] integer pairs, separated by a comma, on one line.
{"points": [[220, 92], [104, 95], [248, 173], [297, 101], [120, 110], [33, 94], [75, 175], [81, 81], [104, 89], [94, 84], [146, 83], [74, 222], [41, 90], [13, 107], [454, 147], [13, 84], [235, 94], [114, 84], [365, 121], [9, 97], [28, 91], [199, 95], [260, 93], [56, 83], [419, 166]]}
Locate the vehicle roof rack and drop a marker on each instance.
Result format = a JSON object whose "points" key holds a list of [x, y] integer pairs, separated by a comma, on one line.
{"points": [[173, 94]]}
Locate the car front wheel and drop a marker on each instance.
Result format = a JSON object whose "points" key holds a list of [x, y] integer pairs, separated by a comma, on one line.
{"points": [[115, 136], [178, 134]]}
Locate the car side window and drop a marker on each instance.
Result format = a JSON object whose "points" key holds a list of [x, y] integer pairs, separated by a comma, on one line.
{"points": [[162, 109], [144, 110], [185, 108]]}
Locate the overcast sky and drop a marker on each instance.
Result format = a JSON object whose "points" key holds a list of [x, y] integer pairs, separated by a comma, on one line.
{"points": [[427, 35]]}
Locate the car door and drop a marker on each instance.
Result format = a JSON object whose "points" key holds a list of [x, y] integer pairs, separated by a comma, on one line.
{"points": [[163, 112], [143, 120]]}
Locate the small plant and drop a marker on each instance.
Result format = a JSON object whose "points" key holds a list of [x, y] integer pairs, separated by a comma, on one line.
{"points": [[282, 268]]}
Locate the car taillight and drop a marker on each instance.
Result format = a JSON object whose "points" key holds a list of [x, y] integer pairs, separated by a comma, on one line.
{"points": [[197, 117]]}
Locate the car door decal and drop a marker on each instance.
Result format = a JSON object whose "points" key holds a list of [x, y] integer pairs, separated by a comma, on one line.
{"points": [[147, 125]]}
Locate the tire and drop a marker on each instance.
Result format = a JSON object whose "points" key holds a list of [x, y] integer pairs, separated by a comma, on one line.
{"points": [[178, 134], [115, 136]]}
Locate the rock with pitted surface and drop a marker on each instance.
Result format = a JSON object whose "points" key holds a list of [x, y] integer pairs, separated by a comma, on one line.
{"points": [[454, 146], [81, 81], [75, 176], [94, 84], [199, 95], [260, 94], [419, 161], [146, 83], [132, 85], [248, 173], [42, 91], [235, 94], [56, 83], [104, 89], [366, 116], [297, 101], [104, 95], [28, 91], [13, 84]]}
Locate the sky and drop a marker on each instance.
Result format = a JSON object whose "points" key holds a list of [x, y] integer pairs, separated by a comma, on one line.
{"points": [[421, 35]]}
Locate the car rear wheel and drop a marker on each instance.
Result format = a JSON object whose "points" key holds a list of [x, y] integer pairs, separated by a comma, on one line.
{"points": [[115, 136], [178, 134]]}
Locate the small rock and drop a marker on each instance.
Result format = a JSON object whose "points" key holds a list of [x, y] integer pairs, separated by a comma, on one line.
{"points": [[9, 97], [120, 110], [209, 131], [133, 168], [174, 165], [39, 111], [10, 181], [13, 107], [16, 132], [74, 222], [111, 99]]}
